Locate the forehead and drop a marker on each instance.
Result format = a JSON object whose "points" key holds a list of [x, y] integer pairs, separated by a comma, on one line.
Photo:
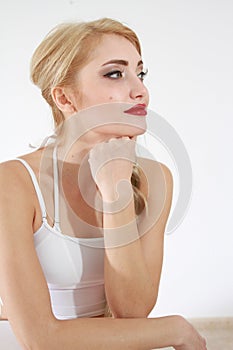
{"points": [[112, 46]]}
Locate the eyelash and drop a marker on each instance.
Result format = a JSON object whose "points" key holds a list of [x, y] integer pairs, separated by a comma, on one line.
{"points": [[110, 74], [141, 75]]}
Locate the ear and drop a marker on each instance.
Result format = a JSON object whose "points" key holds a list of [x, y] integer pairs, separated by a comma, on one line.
{"points": [[63, 100]]}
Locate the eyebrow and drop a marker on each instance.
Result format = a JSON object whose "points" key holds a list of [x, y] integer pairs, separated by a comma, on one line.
{"points": [[121, 62]]}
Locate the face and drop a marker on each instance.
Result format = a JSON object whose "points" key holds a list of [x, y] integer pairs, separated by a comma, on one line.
{"points": [[114, 74]]}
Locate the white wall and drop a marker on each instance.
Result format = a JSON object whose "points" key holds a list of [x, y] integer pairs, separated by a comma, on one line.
{"points": [[187, 45]]}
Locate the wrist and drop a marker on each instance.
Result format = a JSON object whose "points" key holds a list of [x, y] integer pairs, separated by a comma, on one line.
{"points": [[117, 201], [181, 328]]}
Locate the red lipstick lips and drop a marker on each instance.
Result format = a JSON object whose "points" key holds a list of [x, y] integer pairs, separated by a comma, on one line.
{"points": [[139, 109]]}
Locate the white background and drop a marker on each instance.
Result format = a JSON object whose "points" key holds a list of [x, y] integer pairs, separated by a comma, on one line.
{"points": [[188, 48]]}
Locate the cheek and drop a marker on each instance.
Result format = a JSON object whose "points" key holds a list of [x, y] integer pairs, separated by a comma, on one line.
{"points": [[88, 100], [96, 95], [119, 95]]}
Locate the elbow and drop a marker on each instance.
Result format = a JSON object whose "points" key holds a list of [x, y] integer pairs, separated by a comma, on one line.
{"points": [[28, 343], [130, 314], [133, 307], [40, 339], [34, 344], [138, 310]]}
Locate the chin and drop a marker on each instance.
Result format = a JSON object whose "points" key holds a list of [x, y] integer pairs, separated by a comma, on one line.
{"points": [[121, 131]]}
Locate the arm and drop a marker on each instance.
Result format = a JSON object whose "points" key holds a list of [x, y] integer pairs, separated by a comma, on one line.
{"points": [[133, 261], [133, 270], [25, 295]]}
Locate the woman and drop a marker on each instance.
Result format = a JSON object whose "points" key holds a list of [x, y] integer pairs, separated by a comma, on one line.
{"points": [[77, 216]]}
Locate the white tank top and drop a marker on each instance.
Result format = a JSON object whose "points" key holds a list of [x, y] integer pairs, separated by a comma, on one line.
{"points": [[73, 267]]}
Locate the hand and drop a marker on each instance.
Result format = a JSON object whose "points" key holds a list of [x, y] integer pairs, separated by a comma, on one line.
{"points": [[191, 339], [111, 163]]}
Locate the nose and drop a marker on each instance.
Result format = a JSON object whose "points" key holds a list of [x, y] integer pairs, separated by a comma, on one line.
{"points": [[138, 91]]}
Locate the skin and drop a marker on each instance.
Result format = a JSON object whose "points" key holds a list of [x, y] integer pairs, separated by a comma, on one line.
{"points": [[123, 85], [132, 271]]}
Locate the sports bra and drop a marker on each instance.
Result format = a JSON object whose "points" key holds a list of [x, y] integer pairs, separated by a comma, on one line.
{"points": [[73, 267]]}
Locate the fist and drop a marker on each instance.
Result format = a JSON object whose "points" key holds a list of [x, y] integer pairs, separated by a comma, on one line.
{"points": [[111, 164]]}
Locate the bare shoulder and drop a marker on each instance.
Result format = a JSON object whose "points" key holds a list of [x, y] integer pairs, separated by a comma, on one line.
{"points": [[15, 183], [154, 173], [157, 187], [13, 169], [11, 172]]}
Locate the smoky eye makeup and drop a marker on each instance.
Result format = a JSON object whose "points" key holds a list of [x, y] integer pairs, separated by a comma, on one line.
{"points": [[142, 74], [116, 72], [113, 72]]}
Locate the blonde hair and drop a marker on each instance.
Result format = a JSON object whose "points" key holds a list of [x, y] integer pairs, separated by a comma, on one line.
{"points": [[66, 49], [63, 52]]}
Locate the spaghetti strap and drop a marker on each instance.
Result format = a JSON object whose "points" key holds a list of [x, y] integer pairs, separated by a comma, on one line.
{"points": [[36, 186], [56, 191]]}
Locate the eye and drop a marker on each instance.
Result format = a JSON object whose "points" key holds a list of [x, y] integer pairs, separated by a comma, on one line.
{"points": [[142, 74], [116, 74]]}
